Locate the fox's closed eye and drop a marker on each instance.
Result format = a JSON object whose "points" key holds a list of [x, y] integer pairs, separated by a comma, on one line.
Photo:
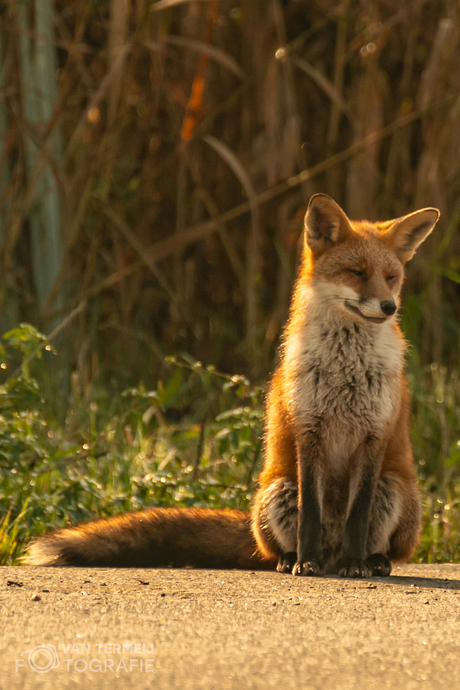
{"points": [[360, 274]]}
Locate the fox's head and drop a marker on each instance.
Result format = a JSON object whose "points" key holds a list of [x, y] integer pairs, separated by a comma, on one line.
{"points": [[358, 266]]}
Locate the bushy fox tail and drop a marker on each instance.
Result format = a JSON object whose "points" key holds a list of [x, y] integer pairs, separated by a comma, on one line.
{"points": [[155, 538]]}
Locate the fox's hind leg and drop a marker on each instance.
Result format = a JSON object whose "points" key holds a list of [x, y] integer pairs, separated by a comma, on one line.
{"points": [[395, 523], [405, 538], [275, 522]]}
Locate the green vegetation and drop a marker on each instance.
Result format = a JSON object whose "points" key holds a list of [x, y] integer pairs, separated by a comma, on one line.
{"points": [[435, 432], [194, 440], [156, 159]]}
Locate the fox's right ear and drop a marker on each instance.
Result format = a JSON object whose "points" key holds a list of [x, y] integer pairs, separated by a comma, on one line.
{"points": [[408, 232], [325, 224]]}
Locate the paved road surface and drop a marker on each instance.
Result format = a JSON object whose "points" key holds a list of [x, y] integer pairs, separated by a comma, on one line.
{"points": [[227, 629]]}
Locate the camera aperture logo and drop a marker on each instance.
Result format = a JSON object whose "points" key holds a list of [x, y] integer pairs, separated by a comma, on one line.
{"points": [[42, 658], [103, 657]]}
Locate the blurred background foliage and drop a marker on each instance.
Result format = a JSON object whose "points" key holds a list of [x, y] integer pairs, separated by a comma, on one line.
{"points": [[156, 160]]}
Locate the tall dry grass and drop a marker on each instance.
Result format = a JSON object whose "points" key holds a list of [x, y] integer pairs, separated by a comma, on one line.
{"points": [[180, 141]]}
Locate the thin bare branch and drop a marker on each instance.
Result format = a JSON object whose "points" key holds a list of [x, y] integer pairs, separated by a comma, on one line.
{"points": [[325, 85], [96, 99], [166, 247], [164, 4], [216, 54]]}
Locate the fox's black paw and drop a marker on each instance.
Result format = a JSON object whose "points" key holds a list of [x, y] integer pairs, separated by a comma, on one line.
{"points": [[313, 568], [381, 566], [286, 562], [354, 567]]}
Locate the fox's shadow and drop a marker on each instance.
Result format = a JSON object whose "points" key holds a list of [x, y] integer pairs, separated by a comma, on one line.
{"points": [[407, 581]]}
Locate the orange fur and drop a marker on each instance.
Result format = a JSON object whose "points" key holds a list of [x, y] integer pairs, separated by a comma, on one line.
{"points": [[350, 272], [338, 480], [159, 537]]}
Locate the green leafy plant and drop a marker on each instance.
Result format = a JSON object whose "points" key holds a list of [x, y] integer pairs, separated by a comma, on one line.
{"points": [[195, 439], [436, 436]]}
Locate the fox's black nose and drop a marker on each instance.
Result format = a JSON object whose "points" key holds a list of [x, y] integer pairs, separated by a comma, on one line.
{"points": [[388, 307]]}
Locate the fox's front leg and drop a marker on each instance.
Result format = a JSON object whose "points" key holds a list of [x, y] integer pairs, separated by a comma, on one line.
{"points": [[353, 563], [309, 547]]}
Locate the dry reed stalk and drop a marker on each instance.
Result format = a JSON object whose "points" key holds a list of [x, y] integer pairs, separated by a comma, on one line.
{"points": [[116, 54], [348, 70], [287, 233], [163, 249], [428, 175], [37, 68], [338, 85], [147, 258], [364, 167], [213, 212], [194, 104], [252, 247], [294, 155], [71, 240], [192, 114]]}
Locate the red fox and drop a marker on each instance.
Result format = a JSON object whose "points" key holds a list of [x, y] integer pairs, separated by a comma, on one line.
{"points": [[337, 492]]}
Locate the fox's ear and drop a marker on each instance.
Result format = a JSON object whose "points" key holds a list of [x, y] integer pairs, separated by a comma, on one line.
{"points": [[408, 232], [325, 224]]}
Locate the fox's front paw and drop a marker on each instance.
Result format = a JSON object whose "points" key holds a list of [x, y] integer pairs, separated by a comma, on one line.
{"points": [[381, 566], [354, 567], [308, 568], [286, 562]]}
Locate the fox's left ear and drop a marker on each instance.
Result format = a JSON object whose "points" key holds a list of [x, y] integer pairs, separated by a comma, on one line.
{"points": [[408, 232], [326, 225]]}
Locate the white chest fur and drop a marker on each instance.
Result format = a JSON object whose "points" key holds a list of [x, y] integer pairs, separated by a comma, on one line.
{"points": [[346, 376]]}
